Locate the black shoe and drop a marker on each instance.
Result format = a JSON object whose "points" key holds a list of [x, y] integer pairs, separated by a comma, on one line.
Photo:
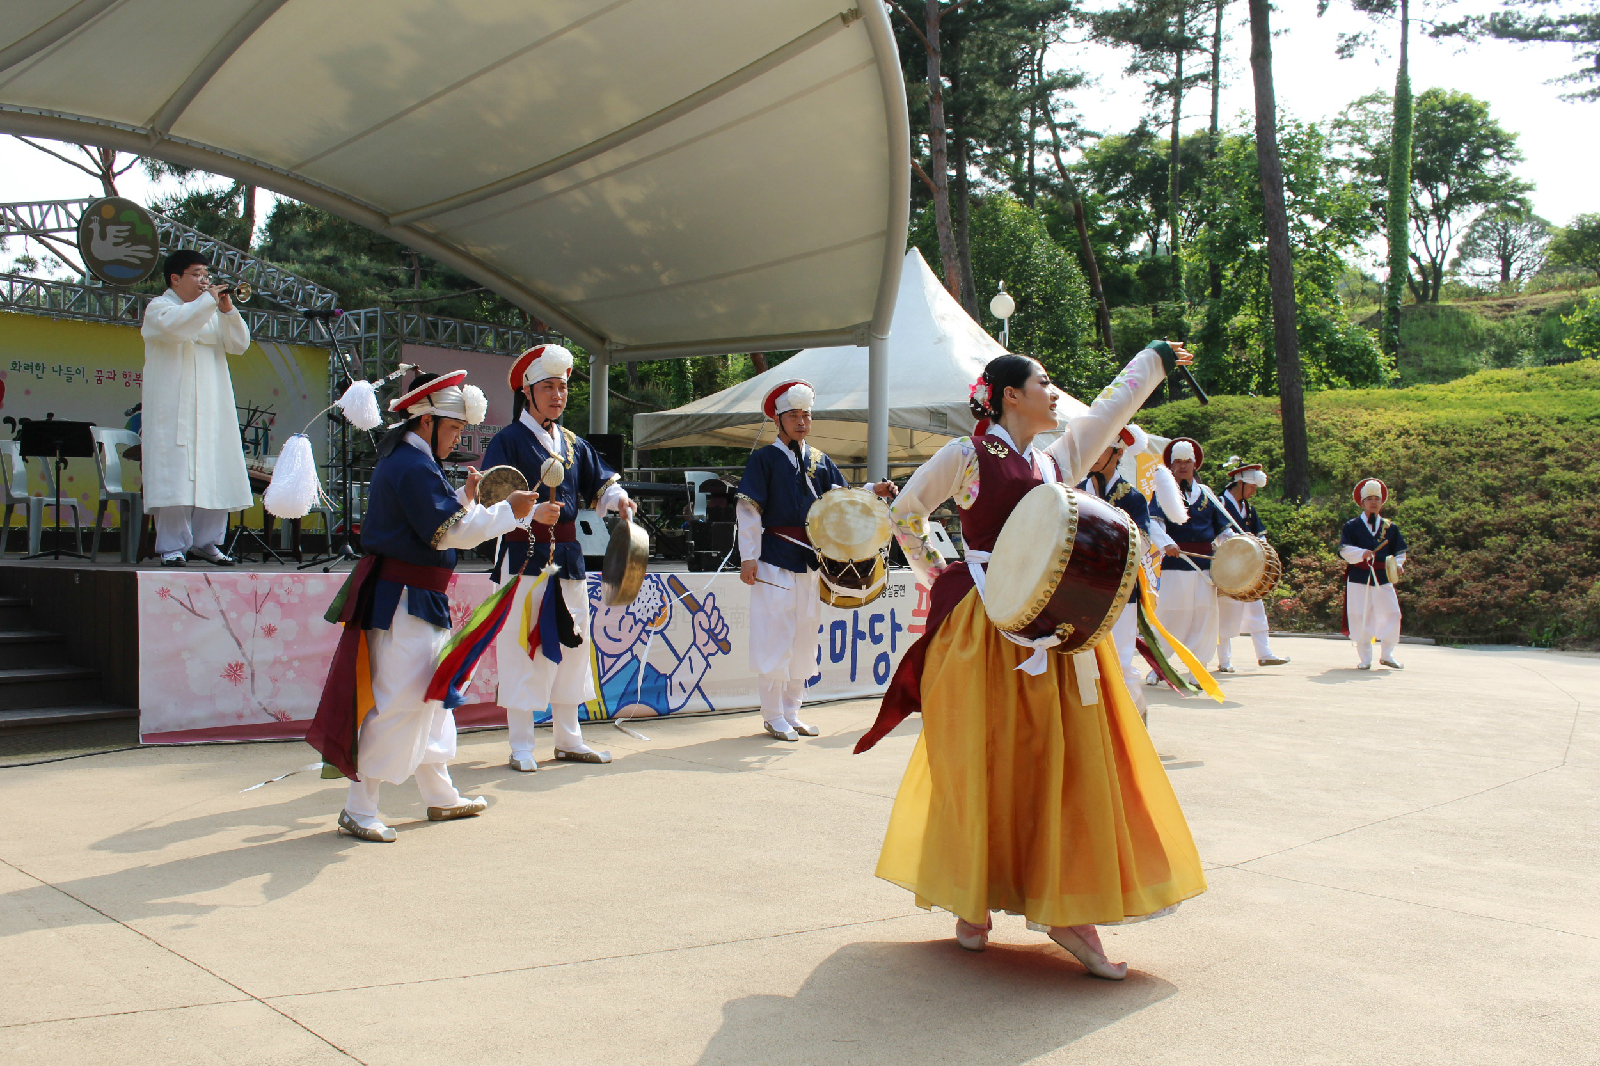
{"points": [[219, 559]]}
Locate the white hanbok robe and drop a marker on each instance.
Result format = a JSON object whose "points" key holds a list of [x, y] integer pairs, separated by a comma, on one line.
{"points": [[193, 456]]}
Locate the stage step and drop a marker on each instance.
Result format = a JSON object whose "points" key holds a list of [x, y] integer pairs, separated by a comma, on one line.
{"points": [[31, 647], [35, 717], [15, 612], [26, 687]]}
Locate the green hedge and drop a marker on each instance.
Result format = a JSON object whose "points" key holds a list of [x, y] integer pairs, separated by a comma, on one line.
{"points": [[1495, 479]]}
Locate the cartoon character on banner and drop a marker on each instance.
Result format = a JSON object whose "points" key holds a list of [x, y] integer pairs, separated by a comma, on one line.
{"points": [[630, 686]]}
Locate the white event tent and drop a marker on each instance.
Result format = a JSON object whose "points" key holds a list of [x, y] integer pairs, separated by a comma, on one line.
{"points": [[935, 352], [654, 178]]}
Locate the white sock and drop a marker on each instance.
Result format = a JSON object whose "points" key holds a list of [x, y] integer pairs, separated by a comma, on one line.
{"points": [[361, 804], [569, 734], [793, 693], [433, 781], [772, 710]]}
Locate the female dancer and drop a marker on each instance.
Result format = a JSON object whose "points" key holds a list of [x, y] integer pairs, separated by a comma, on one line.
{"points": [[1020, 796]]}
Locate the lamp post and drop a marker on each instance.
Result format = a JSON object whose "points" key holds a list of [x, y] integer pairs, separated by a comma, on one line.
{"points": [[1001, 307]]}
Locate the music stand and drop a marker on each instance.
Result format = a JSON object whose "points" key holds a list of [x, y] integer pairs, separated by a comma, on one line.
{"points": [[60, 441]]}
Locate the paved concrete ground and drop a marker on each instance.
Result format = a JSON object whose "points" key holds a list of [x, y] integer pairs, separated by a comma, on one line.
{"points": [[1402, 870]]}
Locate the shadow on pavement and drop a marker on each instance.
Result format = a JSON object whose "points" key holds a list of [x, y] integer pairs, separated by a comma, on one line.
{"points": [[919, 1004]]}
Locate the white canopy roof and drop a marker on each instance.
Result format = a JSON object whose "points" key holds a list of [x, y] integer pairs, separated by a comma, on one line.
{"points": [[651, 177], [936, 351]]}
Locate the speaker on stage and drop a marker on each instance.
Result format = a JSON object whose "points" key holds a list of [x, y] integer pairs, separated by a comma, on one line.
{"points": [[609, 445], [709, 542]]}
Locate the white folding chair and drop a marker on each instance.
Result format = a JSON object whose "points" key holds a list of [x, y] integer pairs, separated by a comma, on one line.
{"points": [[130, 504], [15, 473], [696, 478]]}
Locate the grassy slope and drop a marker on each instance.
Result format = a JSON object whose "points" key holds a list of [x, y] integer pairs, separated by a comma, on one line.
{"points": [[1496, 484]]}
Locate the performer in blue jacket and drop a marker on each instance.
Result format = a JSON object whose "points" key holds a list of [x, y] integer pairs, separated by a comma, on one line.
{"points": [[781, 481], [1366, 544], [1112, 480], [397, 614], [1187, 605], [1235, 617], [547, 663]]}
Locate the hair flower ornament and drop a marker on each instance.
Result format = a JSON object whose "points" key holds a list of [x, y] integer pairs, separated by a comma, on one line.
{"points": [[979, 391]]}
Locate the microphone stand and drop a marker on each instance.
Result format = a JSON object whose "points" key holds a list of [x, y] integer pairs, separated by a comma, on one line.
{"points": [[342, 552]]}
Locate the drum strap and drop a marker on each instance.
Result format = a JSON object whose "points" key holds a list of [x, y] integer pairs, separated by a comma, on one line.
{"points": [[867, 593], [1034, 664]]}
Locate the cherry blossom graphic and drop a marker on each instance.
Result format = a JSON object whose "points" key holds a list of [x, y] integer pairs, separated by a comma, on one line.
{"points": [[233, 673]]}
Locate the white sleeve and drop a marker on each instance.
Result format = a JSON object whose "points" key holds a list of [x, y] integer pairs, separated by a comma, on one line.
{"points": [[1158, 533], [1351, 553], [170, 321], [749, 520], [935, 481], [612, 495], [1087, 435], [1400, 558], [478, 525], [235, 333]]}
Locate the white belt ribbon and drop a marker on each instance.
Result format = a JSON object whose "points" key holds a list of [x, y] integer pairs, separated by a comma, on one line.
{"points": [[1034, 664]]}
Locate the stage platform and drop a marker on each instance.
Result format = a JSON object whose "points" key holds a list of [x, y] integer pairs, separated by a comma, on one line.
{"points": [[203, 653]]}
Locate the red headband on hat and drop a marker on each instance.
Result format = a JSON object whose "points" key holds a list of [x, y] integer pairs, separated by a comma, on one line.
{"points": [[427, 388], [1199, 452], [1383, 490], [769, 406]]}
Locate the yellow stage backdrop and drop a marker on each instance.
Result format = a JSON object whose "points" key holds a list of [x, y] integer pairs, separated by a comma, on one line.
{"points": [[93, 372]]}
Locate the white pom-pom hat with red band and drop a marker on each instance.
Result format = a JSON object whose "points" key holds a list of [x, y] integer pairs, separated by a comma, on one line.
{"points": [[447, 395], [1175, 450], [538, 363], [1371, 487], [1131, 438], [796, 395], [1249, 473]]}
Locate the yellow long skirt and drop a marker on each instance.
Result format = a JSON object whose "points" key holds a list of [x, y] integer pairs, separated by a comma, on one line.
{"points": [[1019, 798]]}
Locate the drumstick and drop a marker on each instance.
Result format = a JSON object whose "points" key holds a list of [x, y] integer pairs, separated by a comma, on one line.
{"points": [[688, 599]]}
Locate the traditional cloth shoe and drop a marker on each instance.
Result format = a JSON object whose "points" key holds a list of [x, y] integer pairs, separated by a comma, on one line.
{"points": [[1276, 660], [1092, 960], [1391, 664], [1153, 680], [1363, 666], [469, 809], [218, 558], [1226, 670], [378, 834], [524, 764], [806, 730], [781, 734], [174, 559], [973, 937], [583, 756]]}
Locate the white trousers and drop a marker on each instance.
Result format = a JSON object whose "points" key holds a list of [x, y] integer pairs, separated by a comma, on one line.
{"points": [[1235, 617], [405, 734], [1124, 633], [530, 684], [179, 529], [785, 613], [1373, 612], [1187, 608]]}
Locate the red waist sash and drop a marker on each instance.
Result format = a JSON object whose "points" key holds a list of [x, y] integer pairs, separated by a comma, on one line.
{"points": [[792, 532], [432, 578], [560, 533], [1196, 547]]}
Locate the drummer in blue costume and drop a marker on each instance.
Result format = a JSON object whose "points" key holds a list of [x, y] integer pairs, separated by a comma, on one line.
{"points": [[780, 483], [1110, 482], [1233, 616], [1366, 544], [545, 663], [397, 614], [1187, 605]]}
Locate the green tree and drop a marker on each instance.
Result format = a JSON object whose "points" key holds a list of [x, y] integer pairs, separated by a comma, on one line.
{"points": [[1055, 313], [1328, 217], [1461, 163], [1503, 247], [1583, 327], [1574, 22], [1280, 259], [1578, 245]]}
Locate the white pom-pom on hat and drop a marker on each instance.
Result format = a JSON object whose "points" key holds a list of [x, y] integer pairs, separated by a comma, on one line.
{"points": [[1183, 450], [360, 405], [1169, 498], [789, 396], [476, 403], [295, 488], [538, 363]]}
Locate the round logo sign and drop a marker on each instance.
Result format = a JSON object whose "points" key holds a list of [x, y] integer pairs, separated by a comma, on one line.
{"points": [[118, 241]]}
